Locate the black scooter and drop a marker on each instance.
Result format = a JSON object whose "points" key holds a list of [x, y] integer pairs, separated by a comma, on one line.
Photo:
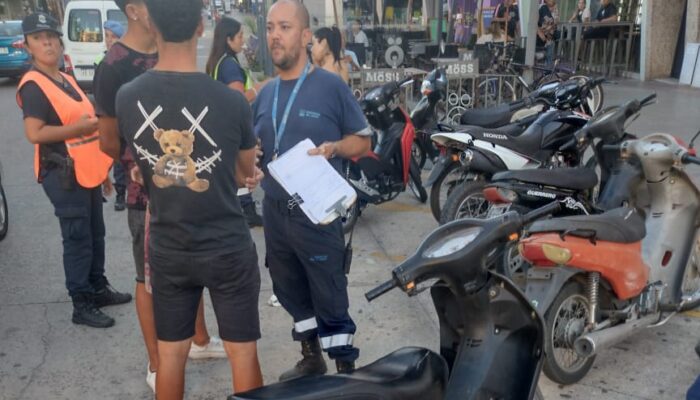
{"points": [[491, 337]]}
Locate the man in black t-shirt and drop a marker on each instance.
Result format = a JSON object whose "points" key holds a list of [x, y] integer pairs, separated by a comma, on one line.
{"points": [[606, 13], [193, 140], [508, 15]]}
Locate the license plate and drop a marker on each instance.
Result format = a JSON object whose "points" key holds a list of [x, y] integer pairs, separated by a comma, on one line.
{"points": [[498, 209], [4, 50], [82, 74]]}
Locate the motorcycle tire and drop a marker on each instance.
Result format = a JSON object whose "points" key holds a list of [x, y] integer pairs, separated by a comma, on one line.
{"points": [[690, 284], [436, 190], [4, 216], [467, 191], [415, 183], [571, 295], [418, 153], [350, 219]]}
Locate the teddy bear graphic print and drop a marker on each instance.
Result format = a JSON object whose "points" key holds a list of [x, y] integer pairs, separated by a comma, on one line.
{"points": [[175, 166]]}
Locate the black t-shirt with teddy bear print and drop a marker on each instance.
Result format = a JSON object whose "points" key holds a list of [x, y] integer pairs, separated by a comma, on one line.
{"points": [[185, 131]]}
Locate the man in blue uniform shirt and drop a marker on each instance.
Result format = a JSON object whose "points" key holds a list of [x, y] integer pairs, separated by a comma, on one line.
{"points": [[306, 260]]}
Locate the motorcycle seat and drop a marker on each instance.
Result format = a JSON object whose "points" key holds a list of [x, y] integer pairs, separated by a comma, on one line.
{"points": [[487, 117], [620, 225], [566, 178], [410, 373]]}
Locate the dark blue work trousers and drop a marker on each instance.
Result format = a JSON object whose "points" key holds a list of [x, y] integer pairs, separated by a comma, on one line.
{"points": [[79, 212], [308, 277]]}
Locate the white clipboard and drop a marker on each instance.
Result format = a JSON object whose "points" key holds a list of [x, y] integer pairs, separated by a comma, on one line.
{"points": [[312, 182]]}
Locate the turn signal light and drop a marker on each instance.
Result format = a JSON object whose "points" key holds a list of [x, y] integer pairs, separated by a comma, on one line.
{"points": [[18, 44], [410, 285], [556, 254]]}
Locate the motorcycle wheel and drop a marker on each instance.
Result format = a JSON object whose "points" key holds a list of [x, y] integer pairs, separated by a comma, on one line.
{"points": [[511, 263], [466, 201], [415, 183], [4, 216], [445, 184], [418, 154], [691, 277], [564, 323], [350, 219]]}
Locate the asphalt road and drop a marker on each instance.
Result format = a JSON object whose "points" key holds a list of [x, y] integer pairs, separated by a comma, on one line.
{"points": [[43, 355]]}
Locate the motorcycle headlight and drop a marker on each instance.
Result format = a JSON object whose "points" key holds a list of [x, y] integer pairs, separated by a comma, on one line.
{"points": [[452, 243]]}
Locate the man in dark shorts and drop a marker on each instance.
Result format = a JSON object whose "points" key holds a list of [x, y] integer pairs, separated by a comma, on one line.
{"points": [[508, 15], [193, 141], [306, 260], [133, 55]]}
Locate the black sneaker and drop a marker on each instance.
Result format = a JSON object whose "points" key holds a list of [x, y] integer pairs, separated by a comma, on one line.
{"points": [[107, 296], [251, 216], [120, 203], [85, 313]]}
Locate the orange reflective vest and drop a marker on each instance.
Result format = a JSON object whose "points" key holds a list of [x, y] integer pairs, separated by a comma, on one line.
{"points": [[91, 164]]}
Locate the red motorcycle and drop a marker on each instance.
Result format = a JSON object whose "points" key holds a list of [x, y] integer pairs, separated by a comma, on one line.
{"points": [[385, 172]]}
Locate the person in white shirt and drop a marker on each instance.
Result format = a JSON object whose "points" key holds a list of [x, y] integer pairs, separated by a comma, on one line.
{"points": [[582, 13], [358, 35]]}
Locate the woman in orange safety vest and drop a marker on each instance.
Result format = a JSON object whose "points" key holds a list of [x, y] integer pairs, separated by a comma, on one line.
{"points": [[60, 121]]}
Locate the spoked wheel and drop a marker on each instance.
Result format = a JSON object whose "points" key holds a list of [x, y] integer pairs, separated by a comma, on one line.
{"points": [[565, 322], [415, 183], [490, 94], [451, 178], [418, 154], [466, 201], [690, 285], [4, 217]]}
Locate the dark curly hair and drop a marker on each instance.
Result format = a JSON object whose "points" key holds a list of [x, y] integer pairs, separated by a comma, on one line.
{"points": [[176, 20]]}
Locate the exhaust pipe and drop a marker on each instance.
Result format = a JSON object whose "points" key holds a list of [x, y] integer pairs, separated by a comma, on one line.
{"points": [[590, 344]]}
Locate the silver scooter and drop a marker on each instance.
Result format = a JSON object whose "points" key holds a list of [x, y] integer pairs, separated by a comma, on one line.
{"points": [[598, 279]]}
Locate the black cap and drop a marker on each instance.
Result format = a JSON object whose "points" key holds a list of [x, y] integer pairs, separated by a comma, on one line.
{"points": [[39, 22]]}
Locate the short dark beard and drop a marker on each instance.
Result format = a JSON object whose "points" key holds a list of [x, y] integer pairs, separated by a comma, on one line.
{"points": [[289, 62]]}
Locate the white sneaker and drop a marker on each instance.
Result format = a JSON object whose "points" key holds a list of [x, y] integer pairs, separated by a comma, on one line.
{"points": [[151, 378], [214, 349], [273, 302]]}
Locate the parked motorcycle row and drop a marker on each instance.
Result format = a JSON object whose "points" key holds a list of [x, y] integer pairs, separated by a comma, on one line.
{"points": [[560, 259]]}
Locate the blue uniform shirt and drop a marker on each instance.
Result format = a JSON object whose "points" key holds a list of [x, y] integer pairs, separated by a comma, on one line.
{"points": [[230, 71], [324, 111]]}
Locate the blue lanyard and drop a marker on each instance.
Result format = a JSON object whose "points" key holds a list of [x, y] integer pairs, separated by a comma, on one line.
{"points": [[280, 132]]}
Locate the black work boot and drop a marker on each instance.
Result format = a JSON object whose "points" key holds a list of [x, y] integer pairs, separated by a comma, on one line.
{"points": [[312, 363], [251, 215], [120, 203], [107, 296], [344, 367], [85, 313]]}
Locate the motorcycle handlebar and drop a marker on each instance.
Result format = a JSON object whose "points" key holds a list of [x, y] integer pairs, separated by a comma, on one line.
{"points": [[611, 147], [690, 159], [380, 290]]}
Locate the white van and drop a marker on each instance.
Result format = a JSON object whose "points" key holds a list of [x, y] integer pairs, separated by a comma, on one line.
{"points": [[83, 35]]}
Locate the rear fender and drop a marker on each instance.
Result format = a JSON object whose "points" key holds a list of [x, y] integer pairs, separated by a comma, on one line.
{"points": [[511, 159], [544, 283]]}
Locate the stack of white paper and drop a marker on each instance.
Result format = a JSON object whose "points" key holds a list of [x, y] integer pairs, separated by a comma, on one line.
{"points": [[313, 181]]}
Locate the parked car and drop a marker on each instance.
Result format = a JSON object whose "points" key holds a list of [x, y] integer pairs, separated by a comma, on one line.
{"points": [[14, 60], [83, 36]]}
